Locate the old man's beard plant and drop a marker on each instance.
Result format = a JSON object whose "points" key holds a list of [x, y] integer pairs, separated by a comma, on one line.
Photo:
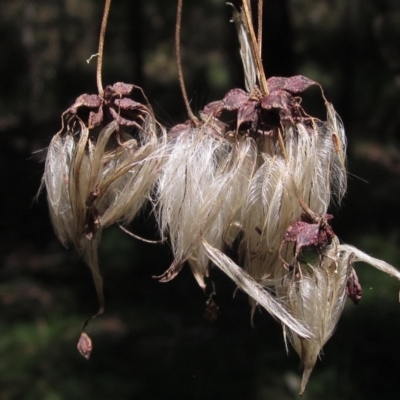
{"points": [[254, 174], [97, 173], [295, 169]]}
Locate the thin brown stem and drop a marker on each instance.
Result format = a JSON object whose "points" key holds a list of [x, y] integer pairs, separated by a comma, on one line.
{"points": [[101, 46], [138, 237], [179, 63], [259, 24], [255, 47]]}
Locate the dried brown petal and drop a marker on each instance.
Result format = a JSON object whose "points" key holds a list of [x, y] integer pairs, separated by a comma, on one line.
{"points": [[95, 118], [234, 99], [214, 108], [247, 112], [279, 99], [87, 100], [121, 120], [123, 89], [128, 104], [294, 84]]}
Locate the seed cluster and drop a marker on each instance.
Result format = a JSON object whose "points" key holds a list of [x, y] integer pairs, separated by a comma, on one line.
{"points": [[253, 176]]}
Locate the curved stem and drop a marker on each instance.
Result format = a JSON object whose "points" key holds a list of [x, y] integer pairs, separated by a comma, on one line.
{"points": [[101, 47], [179, 64]]}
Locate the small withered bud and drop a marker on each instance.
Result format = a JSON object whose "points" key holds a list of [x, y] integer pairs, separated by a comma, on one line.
{"points": [[311, 231], [353, 287], [85, 345]]}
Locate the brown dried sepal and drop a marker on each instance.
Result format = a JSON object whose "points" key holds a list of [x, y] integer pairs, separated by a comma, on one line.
{"points": [[114, 104], [353, 287], [265, 110], [294, 84], [85, 345], [310, 231]]}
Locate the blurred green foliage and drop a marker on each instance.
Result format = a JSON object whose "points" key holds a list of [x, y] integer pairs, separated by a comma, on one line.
{"points": [[152, 342]]}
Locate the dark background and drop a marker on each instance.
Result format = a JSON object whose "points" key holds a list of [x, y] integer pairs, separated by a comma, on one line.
{"points": [[153, 342]]}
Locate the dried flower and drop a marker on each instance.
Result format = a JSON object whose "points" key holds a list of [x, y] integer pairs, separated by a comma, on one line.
{"points": [[95, 178], [264, 179]]}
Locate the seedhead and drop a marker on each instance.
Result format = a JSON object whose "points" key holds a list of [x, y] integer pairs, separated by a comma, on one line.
{"points": [[101, 166], [254, 172]]}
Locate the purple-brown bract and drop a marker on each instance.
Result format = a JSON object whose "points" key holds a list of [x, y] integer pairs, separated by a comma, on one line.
{"points": [[353, 287], [114, 104], [255, 108], [311, 231]]}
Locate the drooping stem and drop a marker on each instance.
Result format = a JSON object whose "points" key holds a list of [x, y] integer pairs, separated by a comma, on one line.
{"points": [[101, 47], [255, 47], [179, 63]]}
